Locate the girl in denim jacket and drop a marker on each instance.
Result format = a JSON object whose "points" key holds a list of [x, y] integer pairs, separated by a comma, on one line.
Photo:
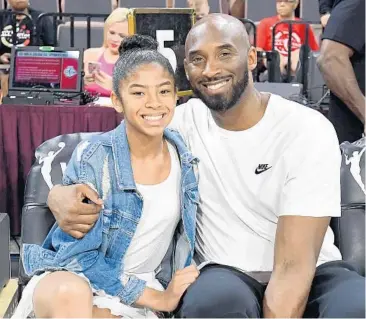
{"points": [[136, 260]]}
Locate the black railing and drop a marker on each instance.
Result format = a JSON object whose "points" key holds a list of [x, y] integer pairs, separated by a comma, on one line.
{"points": [[251, 27], [305, 48], [62, 18]]}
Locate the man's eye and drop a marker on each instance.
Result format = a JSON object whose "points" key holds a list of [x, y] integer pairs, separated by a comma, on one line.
{"points": [[165, 92], [138, 93], [225, 54], [197, 60]]}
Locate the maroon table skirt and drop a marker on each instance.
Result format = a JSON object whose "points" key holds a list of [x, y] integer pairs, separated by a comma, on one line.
{"points": [[23, 128]]}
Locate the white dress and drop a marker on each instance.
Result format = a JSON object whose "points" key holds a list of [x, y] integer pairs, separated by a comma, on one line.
{"points": [[148, 247]]}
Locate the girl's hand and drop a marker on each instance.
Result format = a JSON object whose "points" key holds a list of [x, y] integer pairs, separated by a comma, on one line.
{"points": [[181, 280]]}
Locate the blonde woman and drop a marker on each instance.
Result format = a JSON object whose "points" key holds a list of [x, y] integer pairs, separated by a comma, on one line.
{"points": [[99, 62]]}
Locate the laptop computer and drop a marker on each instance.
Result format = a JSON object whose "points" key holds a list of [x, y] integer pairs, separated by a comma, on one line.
{"points": [[45, 70]]}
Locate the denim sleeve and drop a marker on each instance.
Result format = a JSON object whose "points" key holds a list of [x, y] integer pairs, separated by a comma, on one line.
{"points": [[72, 174], [104, 276], [85, 255]]}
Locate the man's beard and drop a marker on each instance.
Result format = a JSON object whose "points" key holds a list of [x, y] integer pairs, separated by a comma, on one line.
{"points": [[220, 103]]}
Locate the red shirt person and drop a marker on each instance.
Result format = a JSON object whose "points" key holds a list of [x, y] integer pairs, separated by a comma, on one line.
{"points": [[285, 11]]}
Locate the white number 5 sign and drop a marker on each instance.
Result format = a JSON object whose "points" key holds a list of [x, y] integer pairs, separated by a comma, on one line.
{"points": [[161, 37]]}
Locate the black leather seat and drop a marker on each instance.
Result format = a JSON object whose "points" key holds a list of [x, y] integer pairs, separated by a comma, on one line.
{"points": [[37, 218], [51, 159], [349, 230]]}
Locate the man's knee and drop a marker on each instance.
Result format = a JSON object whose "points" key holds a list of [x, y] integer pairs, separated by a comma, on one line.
{"points": [[220, 293], [347, 300]]}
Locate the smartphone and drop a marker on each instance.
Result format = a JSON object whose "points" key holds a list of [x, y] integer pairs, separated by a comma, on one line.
{"points": [[93, 67]]}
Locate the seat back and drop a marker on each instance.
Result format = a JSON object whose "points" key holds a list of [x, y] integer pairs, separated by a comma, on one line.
{"points": [[349, 229], [257, 10], [51, 160], [45, 5], [216, 6], [88, 6], [142, 4], [81, 35], [309, 10]]}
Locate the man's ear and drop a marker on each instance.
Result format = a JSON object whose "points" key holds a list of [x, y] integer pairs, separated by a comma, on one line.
{"points": [[252, 58], [186, 68], [117, 103]]}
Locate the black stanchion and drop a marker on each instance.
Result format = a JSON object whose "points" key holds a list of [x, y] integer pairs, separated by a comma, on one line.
{"points": [[71, 18], [304, 61]]}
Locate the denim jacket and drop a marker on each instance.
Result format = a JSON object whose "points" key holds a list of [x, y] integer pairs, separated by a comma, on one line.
{"points": [[103, 162]]}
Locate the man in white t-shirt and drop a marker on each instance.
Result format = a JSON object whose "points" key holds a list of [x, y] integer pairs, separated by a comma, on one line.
{"points": [[269, 176]]}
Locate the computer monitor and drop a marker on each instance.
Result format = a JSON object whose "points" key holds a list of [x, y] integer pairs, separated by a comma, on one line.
{"points": [[46, 69]]}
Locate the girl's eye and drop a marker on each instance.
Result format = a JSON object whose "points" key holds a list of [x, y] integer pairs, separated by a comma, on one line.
{"points": [[165, 92], [138, 93]]}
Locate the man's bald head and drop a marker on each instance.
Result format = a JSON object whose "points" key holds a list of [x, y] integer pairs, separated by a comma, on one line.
{"points": [[219, 26]]}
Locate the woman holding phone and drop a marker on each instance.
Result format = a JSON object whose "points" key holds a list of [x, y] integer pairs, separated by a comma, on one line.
{"points": [[99, 62]]}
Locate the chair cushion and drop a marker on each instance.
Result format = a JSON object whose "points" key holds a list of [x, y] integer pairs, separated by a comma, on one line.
{"points": [[349, 230], [51, 160]]}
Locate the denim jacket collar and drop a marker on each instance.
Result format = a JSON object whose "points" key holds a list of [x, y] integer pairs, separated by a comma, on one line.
{"points": [[121, 152]]}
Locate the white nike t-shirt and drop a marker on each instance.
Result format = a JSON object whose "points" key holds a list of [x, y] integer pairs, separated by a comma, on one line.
{"points": [[287, 164]]}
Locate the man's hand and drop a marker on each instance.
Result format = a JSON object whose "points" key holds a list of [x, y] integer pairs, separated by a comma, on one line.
{"points": [[5, 58], [181, 280], [73, 215], [324, 19], [297, 247]]}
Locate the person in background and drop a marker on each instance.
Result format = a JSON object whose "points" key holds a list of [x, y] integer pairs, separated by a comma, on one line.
{"points": [[342, 63], [237, 8], [25, 33], [201, 6], [114, 4], [285, 11], [99, 62], [325, 8]]}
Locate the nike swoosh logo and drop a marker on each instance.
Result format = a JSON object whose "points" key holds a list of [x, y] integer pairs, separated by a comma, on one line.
{"points": [[262, 170]]}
